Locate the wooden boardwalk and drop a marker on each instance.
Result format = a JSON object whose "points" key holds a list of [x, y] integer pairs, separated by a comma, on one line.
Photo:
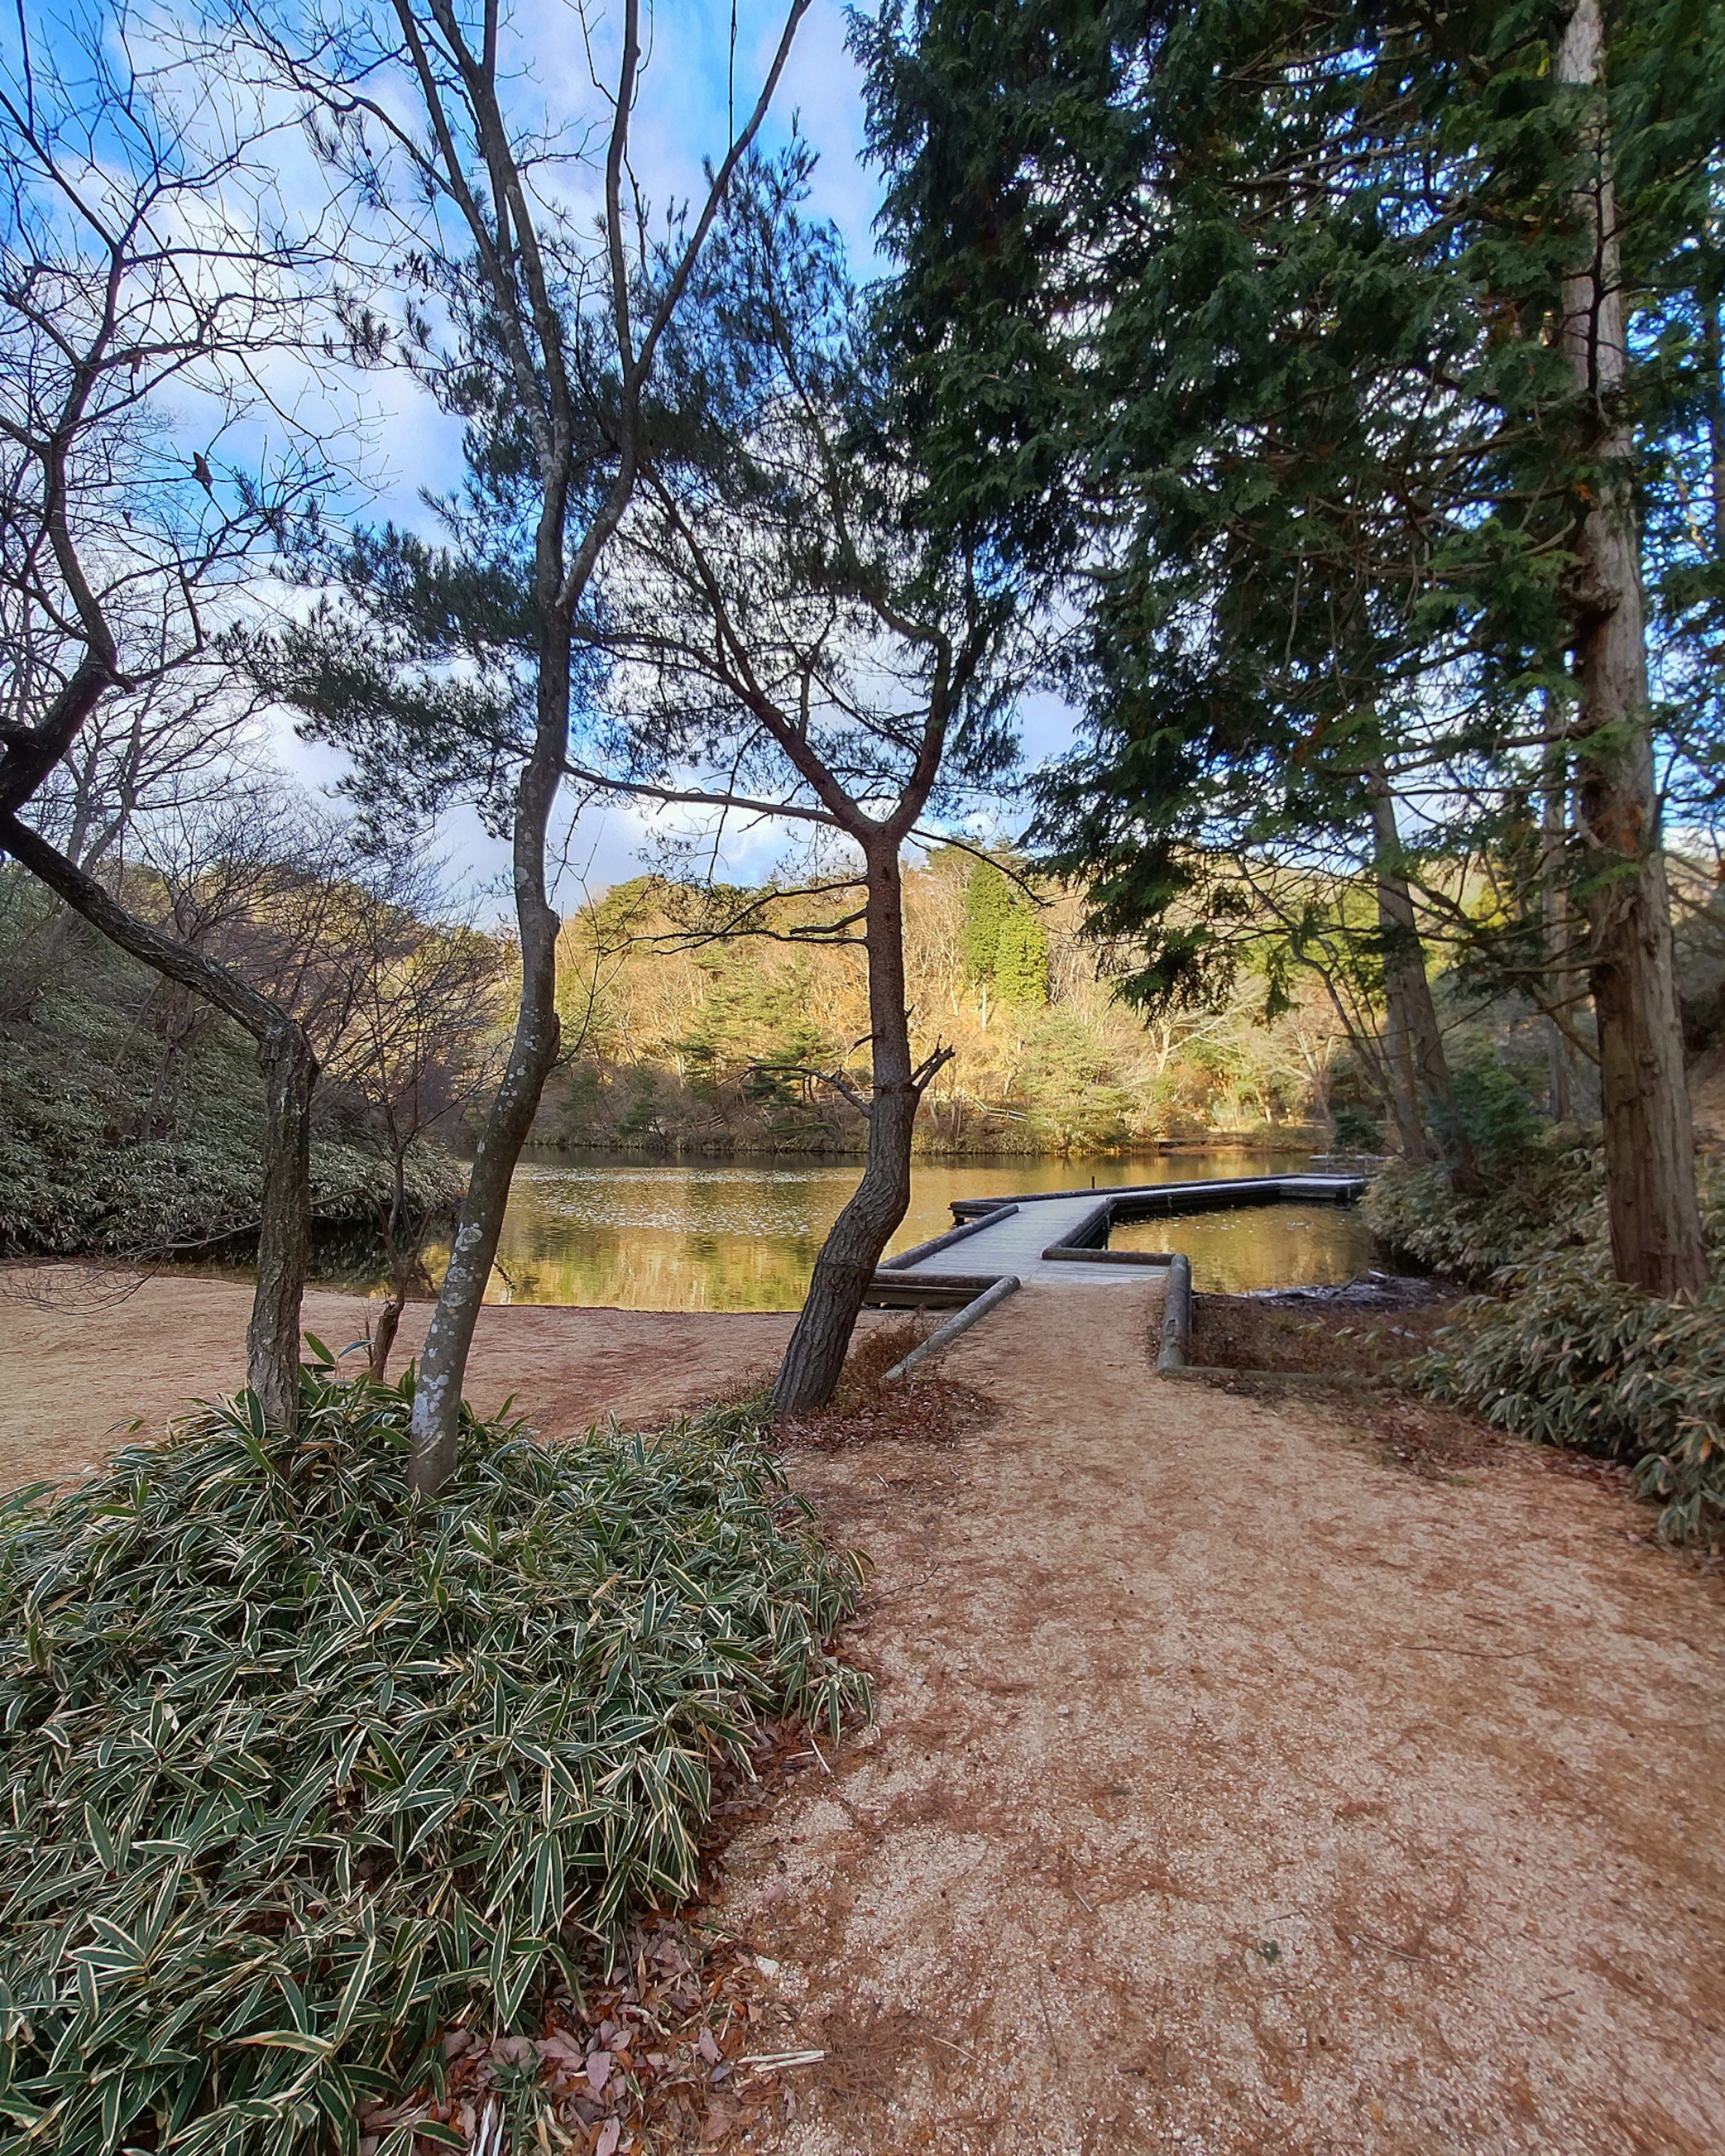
{"points": [[998, 1236]]}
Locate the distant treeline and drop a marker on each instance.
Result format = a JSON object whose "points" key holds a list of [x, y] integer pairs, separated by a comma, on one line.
{"points": [[688, 1036]]}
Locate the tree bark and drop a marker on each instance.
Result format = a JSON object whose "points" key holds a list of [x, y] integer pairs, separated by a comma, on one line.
{"points": [[272, 1332], [1656, 1240], [1424, 1095], [1554, 920], [436, 1419], [290, 1070], [815, 1356], [383, 1334]]}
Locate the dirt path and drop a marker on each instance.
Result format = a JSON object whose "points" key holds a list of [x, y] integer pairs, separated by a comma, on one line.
{"points": [[1232, 1791], [76, 1362]]}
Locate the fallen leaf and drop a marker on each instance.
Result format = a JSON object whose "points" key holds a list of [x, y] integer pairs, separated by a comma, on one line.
{"points": [[599, 2071], [708, 2047], [610, 2133]]}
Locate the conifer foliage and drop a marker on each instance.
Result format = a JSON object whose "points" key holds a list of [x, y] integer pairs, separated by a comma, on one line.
{"points": [[1344, 363]]}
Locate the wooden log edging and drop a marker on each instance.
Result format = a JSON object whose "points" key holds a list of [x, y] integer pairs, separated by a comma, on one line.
{"points": [[920, 1290], [1336, 1380], [994, 1292], [1176, 1319]]}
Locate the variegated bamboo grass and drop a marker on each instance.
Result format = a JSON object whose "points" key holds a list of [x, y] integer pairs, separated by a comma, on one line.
{"points": [[298, 1771]]}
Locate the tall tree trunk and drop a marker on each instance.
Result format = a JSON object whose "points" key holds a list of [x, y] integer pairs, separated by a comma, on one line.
{"points": [[1417, 1040], [272, 1334], [1714, 395], [443, 1361], [1649, 1146], [289, 1069], [1402, 1096], [815, 1356], [1554, 920]]}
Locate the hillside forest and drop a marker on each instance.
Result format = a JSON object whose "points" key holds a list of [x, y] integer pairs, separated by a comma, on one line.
{"points": [[689, 1039]]}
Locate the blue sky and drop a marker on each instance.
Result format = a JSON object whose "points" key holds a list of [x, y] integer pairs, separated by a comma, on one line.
{"points": [[680, 118]]}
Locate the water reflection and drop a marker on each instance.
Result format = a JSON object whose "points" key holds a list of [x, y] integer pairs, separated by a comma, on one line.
{"points": [[1261, 1245], [744, 1234]]}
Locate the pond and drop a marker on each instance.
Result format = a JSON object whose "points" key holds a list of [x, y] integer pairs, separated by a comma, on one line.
{"points": [[743, 1234]]}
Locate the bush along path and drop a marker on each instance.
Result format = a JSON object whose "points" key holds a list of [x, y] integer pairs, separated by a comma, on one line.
{"points": [[303, 1774], [1561, 1351]]}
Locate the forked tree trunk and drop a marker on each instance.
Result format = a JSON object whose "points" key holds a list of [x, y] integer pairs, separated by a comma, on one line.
{"points": [[436, 1419], [1656, 1240], [392, 1223], [290, 1070], [848, 1258]]}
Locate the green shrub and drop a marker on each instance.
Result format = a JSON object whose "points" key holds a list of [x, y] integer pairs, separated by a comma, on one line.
{"points": [[1564, 1353], [1356, 1130], [1492, 1110], [1548, 1195], [299, 1770]]}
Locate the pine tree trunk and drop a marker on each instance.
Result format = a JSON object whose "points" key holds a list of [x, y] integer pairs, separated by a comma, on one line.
{"points": [[1554, 920], [443, 1360], [1657, 1239], [815, 1356]]}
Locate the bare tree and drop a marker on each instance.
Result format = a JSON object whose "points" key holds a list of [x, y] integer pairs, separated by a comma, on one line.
{"points": [[175, 743], [149, 276], [552, 341]]}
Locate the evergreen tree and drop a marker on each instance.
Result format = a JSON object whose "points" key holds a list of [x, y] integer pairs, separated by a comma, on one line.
{"points": [[1021, 957], [1294, 330], [988, 905]]}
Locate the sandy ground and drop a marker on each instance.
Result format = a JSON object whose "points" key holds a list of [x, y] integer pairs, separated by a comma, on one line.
{"points": [[1234, 1791], [1231, 1791], [79, 1360]]}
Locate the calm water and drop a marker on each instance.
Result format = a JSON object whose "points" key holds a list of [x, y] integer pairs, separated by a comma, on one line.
{"points": [[728, 1234]]}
